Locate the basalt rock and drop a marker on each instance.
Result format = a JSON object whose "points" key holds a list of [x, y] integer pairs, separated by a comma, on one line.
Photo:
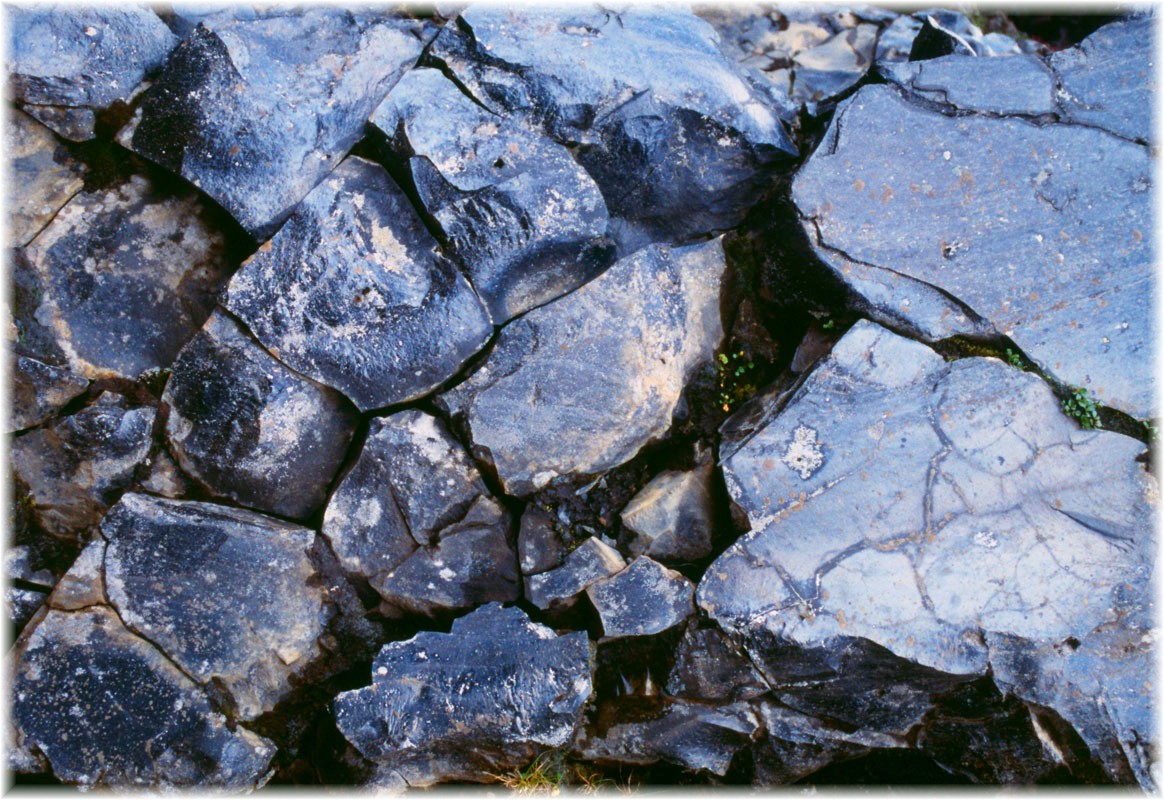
{"points": [[1023, 85], [47, 177], [559, 588], [644, 599], [671, 518]]}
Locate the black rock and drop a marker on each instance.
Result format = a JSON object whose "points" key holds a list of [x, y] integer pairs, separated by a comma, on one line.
{"points": [[540, 546], [39, 391], [644, 599], [1021, 85], [560, 587], [709, 667]]}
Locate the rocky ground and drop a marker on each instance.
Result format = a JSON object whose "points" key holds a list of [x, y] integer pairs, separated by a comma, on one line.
{"points": [[746, 396]]}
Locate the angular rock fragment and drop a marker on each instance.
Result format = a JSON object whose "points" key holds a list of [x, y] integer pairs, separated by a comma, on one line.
{"points": [[250, 429], [578, 386], [710, 668], [67, 64], [795, 745], [227, 594], [75, 467], [560, 587], [644, 599], [39, 391], [539, 545], [42, 179], [352, 293], [513, 206], [497, 689], [831, 68], [256, 112], [1022, 85], [671, 516], [128, 275]]}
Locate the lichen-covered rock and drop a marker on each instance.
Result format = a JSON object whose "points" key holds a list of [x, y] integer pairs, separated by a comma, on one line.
{"points": [[67, 63], [75, 467], [352, 293], [671, 517], [256, 112], [227, 594], [497, 689], [42, 179], [578, 386], [560, 587], [128, 275], [250, 429], [644, 599], [934, 509], [674, 136], [513, 206], [39, 391]]}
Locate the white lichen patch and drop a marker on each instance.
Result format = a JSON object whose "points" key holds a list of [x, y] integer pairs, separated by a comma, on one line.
{"points": [[803, 455]]}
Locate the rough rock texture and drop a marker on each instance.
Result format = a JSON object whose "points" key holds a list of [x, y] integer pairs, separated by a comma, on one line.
{"points": [[39, 391], [76, 467], [497, 688], [68, 63], [675, 137], [578, 386], [255, 112], [525, 220], [415, 519], [560, 587], [956, 515], [42, 179], [644, 599], [250, 429], [128, 275], [671, 517], [352, 293]]}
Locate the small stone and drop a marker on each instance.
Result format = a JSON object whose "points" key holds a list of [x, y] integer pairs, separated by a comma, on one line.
{"points": [[39, 391], [560, 587], [644, 599], [671, 516], [539, 545], [710, 668]]}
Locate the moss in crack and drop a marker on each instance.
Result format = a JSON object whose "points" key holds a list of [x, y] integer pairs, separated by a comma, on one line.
{"points": [[1079, 405], [733, 369]]}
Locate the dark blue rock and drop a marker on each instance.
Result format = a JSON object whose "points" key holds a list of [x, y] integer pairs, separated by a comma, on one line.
{"points": [[644, 599], [1019, 85], [39, 391]]}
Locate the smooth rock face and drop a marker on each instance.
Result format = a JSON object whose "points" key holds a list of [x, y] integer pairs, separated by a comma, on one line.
{"points": [[39, 391], [250, 429], [104, 707], [1021, 85], [671, 516], [977, 225], [75, 467], [129, 275], [255, 112], [947, 502], [496, 688], [78, 60], [644, 599], [513, 206], [227, 594], [352, 293], [43, 178], [675, 137], [560, 587], [577, 387]]}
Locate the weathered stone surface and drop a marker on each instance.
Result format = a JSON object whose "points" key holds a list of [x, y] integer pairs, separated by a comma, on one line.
{"points": [[981, 225], [513, 206], [42, 179], [560, 587], [1023, 85], [227, 594], [250, 429], [39, 391], [578, 386], [674, 136], [644, 599], [497, 688], [540, 546], [352, 293], [79, 60], [101, 706], [948, 505], [129, 275], [709, 667], [255, 112], [75, 467], [671, 516]]}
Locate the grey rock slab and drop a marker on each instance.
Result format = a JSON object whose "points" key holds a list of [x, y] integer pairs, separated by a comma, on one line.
{"points": [[81, 60], [256, 112], [352, 292], [671, 517], [229, 595], [644, 599], [43, 177], [129, 274], [39, 391], [525, 220], [100, 706], [973, 225], [577, 387], [496, 689], [709, 667], [560, 587], [248, 428], [76, 467], [1023, 85]]}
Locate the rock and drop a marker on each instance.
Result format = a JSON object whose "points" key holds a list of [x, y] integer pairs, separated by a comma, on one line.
{"points": [[795, 745], [39, 391], [559, 588], [833, 67], [577, 387], [512, 206], [67, 64], [497, 689], [896, 40], [352, 293], [128, 275], [1003, 520], [540, 546], [674, 136], [1022, 85], [644, 599], [46, 174], [76, 467], [248, 428], [979, 225], [671, 517], [709, 667], [102, 706], [256, 112], [227, 594]]}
